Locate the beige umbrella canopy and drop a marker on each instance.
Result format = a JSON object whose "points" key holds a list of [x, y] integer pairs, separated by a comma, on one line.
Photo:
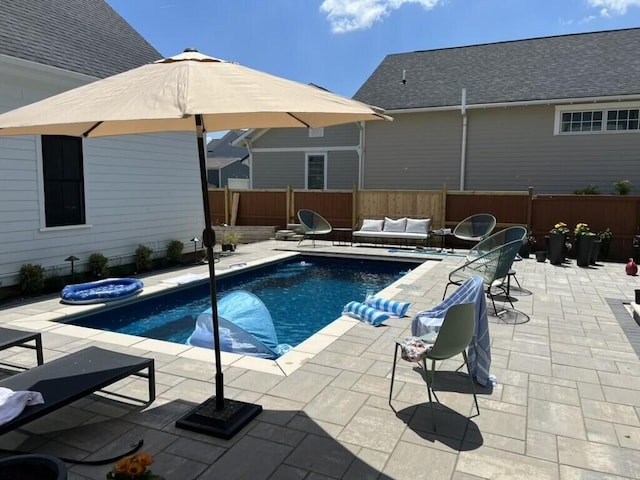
{"points": [[167, 96], [190, 92]]}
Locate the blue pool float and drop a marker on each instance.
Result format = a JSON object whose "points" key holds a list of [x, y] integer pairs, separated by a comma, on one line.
{"points": [[245, 327], [101, 291]]}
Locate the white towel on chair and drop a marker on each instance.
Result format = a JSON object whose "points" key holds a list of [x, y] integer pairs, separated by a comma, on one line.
{"points": [[12, 403]]}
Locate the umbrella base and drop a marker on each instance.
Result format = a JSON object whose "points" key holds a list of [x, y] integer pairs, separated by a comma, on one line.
{"points": [[225, 423]]}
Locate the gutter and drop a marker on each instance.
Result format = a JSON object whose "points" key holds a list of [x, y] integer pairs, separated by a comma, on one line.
{"points": [[556, 101]]}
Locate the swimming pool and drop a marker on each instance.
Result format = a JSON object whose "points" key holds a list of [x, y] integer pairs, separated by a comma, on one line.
{"points": [[303, 294]]}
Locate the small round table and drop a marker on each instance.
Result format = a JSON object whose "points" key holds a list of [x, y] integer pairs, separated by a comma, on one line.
{"points": [[342, 236]]}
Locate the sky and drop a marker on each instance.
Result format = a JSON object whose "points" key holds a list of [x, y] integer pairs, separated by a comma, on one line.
{"points": [[337, 44]]}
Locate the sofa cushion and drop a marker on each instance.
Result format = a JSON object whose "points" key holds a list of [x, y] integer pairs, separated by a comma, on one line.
{"points": [[391, 225], [415, 225], [370, 225]]}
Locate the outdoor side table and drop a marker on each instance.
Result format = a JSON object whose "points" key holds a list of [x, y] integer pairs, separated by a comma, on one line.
{"points": [[443, 237], [342, 236]]}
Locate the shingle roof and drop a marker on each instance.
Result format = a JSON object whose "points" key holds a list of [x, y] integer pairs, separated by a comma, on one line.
{"points": [[84, 36], [569, 66], [224, 148]]}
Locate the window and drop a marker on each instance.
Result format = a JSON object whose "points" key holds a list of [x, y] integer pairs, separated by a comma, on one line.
{"points": [[316, 132], [582, 121], [611, 117], [62, 168], [622, 119], [315, 172]]}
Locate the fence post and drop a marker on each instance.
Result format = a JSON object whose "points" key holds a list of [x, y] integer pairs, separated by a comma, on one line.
{"points": [[530, 208], [354, 206], [443, 207], [287, 206], [226, 204]]}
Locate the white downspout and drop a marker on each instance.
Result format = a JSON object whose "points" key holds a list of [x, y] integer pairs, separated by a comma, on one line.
{"points": [[463, 147], [361, 126]]}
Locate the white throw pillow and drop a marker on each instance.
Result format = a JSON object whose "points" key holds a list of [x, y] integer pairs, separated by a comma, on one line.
{"points": [[369, 225], [415, 225], [391, 225]]}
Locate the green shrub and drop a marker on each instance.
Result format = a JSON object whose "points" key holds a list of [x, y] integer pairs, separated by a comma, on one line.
{"points": [[174, 251], [588, 190], [623, 187], [143, 258], [98, 265], [31, 278]]}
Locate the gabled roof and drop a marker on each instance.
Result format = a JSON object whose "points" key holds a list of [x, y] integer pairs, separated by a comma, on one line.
{"points": [[223, 147], [83, 36], [587, 65]]}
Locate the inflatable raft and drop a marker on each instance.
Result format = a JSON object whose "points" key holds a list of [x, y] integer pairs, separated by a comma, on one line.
{"points": [[101, 291]]}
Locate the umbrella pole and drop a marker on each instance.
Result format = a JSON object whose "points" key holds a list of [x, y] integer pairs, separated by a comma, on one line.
{"points": [[209, 239], [216, 416]]}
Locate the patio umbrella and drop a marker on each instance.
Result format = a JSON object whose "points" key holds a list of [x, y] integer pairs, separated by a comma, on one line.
{"points": [[190, 92]]}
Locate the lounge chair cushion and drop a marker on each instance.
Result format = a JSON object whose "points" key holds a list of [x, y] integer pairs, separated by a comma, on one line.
{"points": [[365, 313], [396, 308]]}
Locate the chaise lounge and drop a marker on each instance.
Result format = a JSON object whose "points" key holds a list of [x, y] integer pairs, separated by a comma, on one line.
{"points": [[74, 376]]}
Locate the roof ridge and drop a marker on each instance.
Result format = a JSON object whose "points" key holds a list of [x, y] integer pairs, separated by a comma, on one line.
{"points": [[519, 40]]}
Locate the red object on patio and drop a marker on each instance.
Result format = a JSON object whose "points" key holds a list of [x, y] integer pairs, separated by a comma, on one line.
{"points": [[631, 268]]}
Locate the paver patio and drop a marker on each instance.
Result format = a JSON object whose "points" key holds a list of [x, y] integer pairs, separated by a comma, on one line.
{"points": [[566, 404]]}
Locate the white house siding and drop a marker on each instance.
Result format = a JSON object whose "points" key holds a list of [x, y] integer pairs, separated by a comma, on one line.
{"points": [[415, 151], [514, 148], [138, 189]]}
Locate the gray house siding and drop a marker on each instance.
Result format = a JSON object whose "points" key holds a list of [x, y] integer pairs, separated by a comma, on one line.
{"points": [[235, 170], [342, 170], [278, 170], [514, 148], [415, 151], [341, 135], [282, 169], [278, 156]]}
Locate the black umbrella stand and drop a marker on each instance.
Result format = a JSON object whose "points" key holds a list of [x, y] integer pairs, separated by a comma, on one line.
{"points": [[216, 416]]}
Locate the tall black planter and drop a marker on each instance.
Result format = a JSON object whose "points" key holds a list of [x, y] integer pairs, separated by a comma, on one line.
{"points": [[555, 248], [595, 251], [584, 245]]}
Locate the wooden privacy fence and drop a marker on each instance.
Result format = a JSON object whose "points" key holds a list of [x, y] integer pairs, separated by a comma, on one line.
{"points": [[345, 208]]}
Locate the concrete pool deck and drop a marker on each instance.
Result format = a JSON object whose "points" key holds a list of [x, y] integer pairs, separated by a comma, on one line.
{"points": [[566, 405]]}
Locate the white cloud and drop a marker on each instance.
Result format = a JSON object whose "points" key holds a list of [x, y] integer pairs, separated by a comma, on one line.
{"points": [[350, 15], [613, 7]]}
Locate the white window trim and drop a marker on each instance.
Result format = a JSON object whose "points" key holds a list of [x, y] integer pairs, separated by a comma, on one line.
{"points": [[306, 168], [590, 107], [40, 180]]}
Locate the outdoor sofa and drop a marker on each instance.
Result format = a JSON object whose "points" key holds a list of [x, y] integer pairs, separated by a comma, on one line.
{"points": [[405, 230]]}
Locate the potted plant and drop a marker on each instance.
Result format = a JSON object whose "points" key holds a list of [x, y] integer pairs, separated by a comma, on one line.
{"points": [[556, 243], [528, 245], [584, 244], [605, 242], [229, 239]]}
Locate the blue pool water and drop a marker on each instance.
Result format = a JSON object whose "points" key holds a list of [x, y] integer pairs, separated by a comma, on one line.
{"points": [[303, 295]]}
